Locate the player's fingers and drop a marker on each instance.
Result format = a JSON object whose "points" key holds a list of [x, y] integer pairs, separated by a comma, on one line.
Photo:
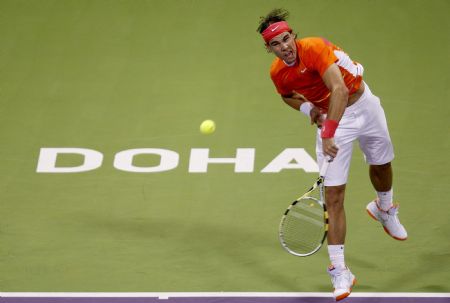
{"points": [[313, 118], [331, 150], [335, 150], [330, 153]]}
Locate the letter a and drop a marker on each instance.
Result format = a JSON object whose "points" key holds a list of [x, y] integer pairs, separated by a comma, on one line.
{"points": [[284, 161]]}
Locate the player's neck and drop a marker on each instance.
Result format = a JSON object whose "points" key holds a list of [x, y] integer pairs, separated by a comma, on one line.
{"points": [[290, 65]]}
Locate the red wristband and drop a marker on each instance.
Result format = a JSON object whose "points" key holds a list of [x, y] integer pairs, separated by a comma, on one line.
{"points": [[328, 128]]}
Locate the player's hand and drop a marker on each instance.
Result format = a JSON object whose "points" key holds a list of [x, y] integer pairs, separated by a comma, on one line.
{"points": [[329, 147], [315, 114], [316, 117]]}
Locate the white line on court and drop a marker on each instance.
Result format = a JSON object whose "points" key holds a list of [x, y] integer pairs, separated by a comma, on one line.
{"points": [[166, 295]]}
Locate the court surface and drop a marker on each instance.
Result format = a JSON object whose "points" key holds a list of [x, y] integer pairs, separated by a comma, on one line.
{"points": [[125, 85]]}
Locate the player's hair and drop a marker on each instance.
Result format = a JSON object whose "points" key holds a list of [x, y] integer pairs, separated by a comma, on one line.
{"points": [[275, 15]]}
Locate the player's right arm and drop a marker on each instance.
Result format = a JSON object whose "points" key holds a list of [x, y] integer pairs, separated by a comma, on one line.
{"points": [[294, 100]]}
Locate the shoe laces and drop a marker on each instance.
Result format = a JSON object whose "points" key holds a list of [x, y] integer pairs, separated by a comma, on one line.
{"points": [[393, 214], [393, 211], [340, 280], [390, 214], [340, 277]]}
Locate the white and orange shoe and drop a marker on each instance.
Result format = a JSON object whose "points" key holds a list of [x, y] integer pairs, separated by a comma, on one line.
{"points": [[389, 220], [343, 281]]}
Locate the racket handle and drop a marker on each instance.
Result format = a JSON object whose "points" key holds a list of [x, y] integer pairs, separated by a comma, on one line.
{"points": [[325, 164]]}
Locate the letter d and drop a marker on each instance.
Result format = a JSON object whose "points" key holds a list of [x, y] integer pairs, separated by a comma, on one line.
{"points": [[47, 160]]}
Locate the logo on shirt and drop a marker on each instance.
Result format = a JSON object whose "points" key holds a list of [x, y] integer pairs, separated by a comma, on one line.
{"points": [[303, 70]]}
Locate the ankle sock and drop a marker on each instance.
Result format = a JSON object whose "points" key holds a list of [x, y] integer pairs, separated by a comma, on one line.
{"points": [[385, 199], [336, 253]]}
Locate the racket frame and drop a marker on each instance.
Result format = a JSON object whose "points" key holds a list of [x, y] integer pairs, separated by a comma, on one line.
{"points": [[318, 184]]}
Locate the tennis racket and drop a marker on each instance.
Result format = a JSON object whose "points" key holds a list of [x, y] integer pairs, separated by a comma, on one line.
{"points": [[304, 225]]}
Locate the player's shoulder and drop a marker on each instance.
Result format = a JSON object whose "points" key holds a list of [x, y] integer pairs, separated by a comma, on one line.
{"points": [[276, 67], [312, 43], [311, 48]]}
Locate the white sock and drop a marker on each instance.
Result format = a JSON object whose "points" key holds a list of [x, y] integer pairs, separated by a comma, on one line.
{"points": [[336, 253], [385, 199]]}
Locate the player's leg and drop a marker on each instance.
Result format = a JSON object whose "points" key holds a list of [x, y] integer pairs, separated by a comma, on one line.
{"points": [[335, 183], [341, 277], [334, 197], [382, 208], [376, 145], [381, 177]]}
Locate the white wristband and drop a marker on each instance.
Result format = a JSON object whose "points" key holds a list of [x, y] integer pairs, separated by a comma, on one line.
{"points": [[306, 108]]}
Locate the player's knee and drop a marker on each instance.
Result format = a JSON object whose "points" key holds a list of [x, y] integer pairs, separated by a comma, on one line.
{"points": [[335, 196], [381, 168]]}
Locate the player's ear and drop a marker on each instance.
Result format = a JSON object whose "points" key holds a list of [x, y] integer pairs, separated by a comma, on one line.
{"points": [[268, 49]]}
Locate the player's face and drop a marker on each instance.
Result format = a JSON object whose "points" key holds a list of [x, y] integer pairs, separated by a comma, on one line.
{"points": [[283, 46]]}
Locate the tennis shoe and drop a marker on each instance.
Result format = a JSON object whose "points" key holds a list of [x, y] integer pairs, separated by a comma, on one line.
{"points": [[343, 281], [389, 220]]}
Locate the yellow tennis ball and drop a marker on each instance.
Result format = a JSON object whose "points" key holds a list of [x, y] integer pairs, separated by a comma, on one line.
{"points": [[207, 127]]}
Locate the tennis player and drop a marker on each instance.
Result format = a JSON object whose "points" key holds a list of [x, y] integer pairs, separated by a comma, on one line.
{"points": [[319, 79]]}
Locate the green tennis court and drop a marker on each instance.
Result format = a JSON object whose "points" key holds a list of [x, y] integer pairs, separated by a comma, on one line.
{"points": [[106, 77]]}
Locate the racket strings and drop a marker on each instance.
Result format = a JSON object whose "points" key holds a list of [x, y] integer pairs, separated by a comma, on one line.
{"points": [[303, 227]]}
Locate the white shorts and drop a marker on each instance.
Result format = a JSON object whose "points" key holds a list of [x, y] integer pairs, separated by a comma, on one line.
{"points": [[363, 121]]}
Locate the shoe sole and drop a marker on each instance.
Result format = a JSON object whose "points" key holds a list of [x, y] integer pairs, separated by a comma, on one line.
{"points": [[385, 229], [345, 295]]}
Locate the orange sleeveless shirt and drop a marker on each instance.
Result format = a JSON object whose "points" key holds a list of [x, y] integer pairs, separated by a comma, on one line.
{"points": [[314, 56]]}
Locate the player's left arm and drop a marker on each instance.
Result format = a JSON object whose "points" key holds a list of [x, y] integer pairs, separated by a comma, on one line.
{"points": [[338, 102], [295, 100]]}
